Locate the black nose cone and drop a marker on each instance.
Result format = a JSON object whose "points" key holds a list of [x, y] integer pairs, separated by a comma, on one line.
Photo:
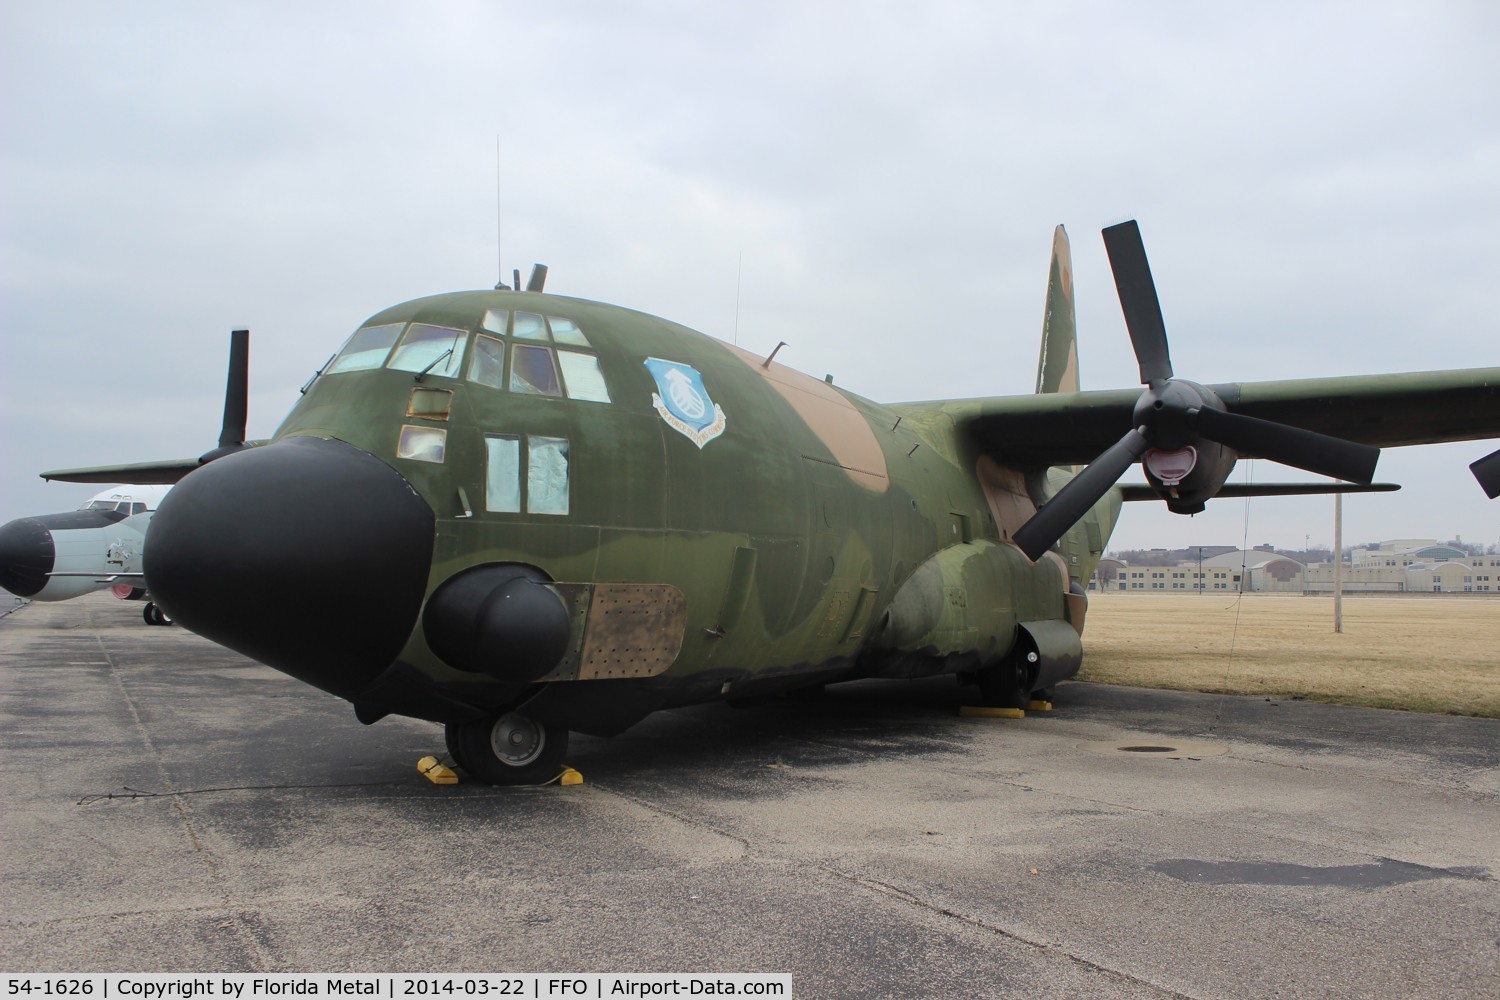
{"points": [[26, 556], [308, 555]]}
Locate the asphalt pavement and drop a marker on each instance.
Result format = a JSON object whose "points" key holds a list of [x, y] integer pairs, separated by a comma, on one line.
{"points": [[171, 806]]}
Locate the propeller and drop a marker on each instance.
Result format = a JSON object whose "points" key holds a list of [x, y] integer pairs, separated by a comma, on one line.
{"points": [[1487, 471], [236, 398], [1174, 413]]}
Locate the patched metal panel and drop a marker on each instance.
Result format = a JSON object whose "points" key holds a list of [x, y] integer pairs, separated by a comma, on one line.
{"points": [[634, 630]]}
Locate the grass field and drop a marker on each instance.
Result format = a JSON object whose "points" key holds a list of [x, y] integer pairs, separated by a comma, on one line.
{"points": [[1426, 654]]}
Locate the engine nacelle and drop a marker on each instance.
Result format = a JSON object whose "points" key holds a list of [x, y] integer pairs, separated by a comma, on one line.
{"points": [[1190, 476]]}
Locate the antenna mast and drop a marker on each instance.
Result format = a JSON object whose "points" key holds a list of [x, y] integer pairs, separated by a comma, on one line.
{"points": [[738, 275], [499, 257]]}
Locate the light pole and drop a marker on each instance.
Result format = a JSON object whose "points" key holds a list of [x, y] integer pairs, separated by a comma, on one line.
{"points": [[1338, 563], [1200, 571]]}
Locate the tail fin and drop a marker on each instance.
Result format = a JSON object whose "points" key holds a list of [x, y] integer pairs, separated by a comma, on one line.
{"points": [[1057, 371]]}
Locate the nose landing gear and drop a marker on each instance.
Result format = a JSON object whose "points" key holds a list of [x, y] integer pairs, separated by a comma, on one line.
{"points": [[512, 749]]}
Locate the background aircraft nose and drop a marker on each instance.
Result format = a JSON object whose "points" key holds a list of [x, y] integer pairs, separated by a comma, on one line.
{"points": [[29, 552], [308, 555], [26, 556]]}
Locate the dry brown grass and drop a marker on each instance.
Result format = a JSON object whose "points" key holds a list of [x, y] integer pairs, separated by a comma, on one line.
{"points": [[1435, 654]]}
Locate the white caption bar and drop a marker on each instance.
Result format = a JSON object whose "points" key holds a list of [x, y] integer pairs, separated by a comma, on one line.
{"points": [[399, 986]]}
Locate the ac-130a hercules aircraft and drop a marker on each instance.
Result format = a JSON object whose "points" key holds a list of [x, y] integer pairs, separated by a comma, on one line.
{"points": [[520, 514]]}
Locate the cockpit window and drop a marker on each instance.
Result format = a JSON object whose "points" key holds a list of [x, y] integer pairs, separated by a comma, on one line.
{"points": [[582, 377], [487, 364], [537, 368], [437, 350], [496, 320], [530, 326], [531, 370], [565, 331], [366, 349]]}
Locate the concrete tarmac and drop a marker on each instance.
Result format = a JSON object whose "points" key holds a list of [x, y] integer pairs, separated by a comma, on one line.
{"points": [[872, 843]]}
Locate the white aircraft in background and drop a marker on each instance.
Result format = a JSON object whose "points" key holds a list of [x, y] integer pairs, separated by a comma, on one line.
{"points": [[56, 557]]}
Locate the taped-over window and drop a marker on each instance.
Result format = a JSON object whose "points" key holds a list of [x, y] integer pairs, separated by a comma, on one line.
{"points": [[502, 482], [547, 475], [581, 375], [546, 485]]}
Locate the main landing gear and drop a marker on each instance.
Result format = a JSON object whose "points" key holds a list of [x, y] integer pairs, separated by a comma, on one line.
{"points": [[154, 615], [1007, 684], [512, 749]]}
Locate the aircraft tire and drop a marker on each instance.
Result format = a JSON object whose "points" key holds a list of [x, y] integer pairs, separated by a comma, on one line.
{"points": [[455, 751], [511, 749], [1007, 684]]}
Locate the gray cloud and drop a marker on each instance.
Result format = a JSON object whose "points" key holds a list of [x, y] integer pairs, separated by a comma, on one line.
{"points": [[1315, 184]]}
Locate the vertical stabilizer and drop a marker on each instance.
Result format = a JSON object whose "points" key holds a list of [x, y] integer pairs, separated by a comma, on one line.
{"points": [[1057, 371]]}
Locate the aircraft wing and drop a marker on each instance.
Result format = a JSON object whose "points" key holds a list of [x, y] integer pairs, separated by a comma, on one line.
{"points": [[145, 473], [1135, 492], [1382, 410]]}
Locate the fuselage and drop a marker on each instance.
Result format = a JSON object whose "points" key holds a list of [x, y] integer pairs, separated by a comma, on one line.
{"points": [[710, 524], [56, 557]]}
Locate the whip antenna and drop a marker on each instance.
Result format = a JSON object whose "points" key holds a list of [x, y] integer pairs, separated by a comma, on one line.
{"points": [[499, 257]]}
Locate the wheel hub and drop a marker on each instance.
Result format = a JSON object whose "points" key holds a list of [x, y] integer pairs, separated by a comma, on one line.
{"points": [[517, 740]]}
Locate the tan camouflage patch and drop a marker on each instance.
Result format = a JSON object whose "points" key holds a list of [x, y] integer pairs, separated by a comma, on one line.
{"points": [[835, 420]]}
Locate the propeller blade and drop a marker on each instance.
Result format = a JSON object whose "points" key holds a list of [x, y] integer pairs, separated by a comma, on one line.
{"points": [[538, 278], [1289, 445], [1073, 501], [1148, 331], [1487, 471], [236, 390]]}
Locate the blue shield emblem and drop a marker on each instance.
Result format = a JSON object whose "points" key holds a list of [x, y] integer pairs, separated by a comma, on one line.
{"points": [[683, 402]]}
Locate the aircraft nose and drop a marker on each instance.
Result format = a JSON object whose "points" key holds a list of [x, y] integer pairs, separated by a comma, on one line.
{"points": [[26, 556], [308, 555]]}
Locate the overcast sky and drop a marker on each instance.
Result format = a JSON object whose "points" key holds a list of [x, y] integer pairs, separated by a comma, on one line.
{"points": [[1318, 186]]}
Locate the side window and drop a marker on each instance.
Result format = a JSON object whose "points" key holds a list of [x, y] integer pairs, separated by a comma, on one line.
{"points": [[367, 348], [423, 444], [547, 475], [502, 474], [546, 486]]}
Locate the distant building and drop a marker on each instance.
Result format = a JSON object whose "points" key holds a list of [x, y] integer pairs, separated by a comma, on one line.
{"points": [[1406, 552], [1405, 565]]}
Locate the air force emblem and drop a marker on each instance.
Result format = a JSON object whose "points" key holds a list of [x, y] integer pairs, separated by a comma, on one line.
{"points": [[683, 401]]}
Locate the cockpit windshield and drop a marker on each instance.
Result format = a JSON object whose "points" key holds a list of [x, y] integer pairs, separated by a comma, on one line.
{"points": [[434, 349], [366, 349]]}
